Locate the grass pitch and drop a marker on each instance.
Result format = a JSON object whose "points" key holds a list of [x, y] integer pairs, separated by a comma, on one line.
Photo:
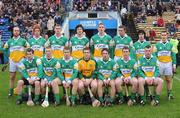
{"points": [[167, 109]]}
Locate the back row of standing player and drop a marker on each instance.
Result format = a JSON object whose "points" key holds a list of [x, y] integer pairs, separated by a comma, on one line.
{"points": [[163, 50]]}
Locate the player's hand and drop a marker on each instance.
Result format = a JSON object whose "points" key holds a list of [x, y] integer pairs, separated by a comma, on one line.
{"points": [[37, 79], [31, 81], [174, 68], [126, 80], [150, 80]]}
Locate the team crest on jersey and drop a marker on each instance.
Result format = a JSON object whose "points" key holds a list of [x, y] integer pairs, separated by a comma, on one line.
{"points": [[12, 43]]}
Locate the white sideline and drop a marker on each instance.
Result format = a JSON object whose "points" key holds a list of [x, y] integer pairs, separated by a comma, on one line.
{"points": [[177, 78]]}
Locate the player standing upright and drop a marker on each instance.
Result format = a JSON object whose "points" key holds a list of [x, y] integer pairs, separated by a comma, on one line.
{"points": [[121, 40], [37, 42], [140, 45], [16, 46], [78, 42], [167, 61], [99, 41], [57, 43]]}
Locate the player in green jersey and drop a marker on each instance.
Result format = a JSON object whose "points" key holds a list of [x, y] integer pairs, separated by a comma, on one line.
{"points": [[121, 40], [140, 44], [106, 75], [37, 42], [69, 71], [52, 76], [79, 42], [57, 43], [31, 69], [99, 41], [126, 74], [148, 73]]}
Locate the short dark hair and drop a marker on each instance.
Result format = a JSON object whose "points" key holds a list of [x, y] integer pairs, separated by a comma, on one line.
{"points": [[105, 49], [86, 48], [126, 48], [141, 32], [67, 48], [79, 25], [123, 27], [100, 24], [30, 50], [148, 46]]}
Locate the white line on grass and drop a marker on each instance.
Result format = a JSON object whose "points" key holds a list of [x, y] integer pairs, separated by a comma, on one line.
{"points": [[176, 78]]}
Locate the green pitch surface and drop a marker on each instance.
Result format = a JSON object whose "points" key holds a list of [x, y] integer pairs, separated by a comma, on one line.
{"points": [[167, 109]]}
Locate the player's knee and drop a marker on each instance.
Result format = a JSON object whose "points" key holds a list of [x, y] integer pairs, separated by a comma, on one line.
{"points": [[75, 82], [94, 85], [42, 84], [20, 83], [37, 84], [100, 83], [161, 81], [81, 86], [135, 82]]}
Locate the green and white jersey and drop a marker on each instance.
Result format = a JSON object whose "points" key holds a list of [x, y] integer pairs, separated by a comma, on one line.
{"points": [[51, 69], [148, 67], [31, 68], [57, 45], [165, 52], [139, 48], [78, 45], [1, 46], [69, 68], [16, 48], [98, 42], [126, 68], [119, 43], [37, 44], [106, 69]]}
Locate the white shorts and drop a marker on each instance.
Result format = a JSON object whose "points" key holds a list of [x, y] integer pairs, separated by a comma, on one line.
{"points": [[165, 68], [13, 67]]}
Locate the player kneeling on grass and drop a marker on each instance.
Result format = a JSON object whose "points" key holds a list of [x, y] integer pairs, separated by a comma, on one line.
{"points": [[148, 75], [31, 70], [126, 72], [106, 74], [70, 72], [86, 69], [51, 74]]}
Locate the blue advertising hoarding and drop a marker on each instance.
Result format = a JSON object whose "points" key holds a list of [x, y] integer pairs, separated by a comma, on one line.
{"points": [[93, 23]]}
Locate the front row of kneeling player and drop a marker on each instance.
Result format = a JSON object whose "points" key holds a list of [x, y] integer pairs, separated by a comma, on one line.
{"points": [[102, 78]]}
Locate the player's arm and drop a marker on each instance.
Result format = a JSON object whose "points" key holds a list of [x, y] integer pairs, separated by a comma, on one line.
{"points": [[47, 43], [134, 71], [58, 71], [75, 72], [92, 46], [94, 73], [111, 48], [23, 71], [99, 75], [39, 68], [132, 52], [114, 72], [140, 71], [173, 55]]}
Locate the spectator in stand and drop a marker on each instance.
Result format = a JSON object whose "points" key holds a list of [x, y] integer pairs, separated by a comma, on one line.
{"points": [[160, 22], [152, 34], [50, 26], [57, 19]]}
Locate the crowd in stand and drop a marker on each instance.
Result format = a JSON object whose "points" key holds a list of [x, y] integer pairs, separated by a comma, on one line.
{"points": [[25, 14]]}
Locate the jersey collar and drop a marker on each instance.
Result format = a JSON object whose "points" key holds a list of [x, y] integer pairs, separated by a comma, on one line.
{"points": [[128, 59], [149, 58], [164, 43], [106, 61], [16, 38], [68, 59], [103, 35], [58, 37], [36, 38], [29, 60]]}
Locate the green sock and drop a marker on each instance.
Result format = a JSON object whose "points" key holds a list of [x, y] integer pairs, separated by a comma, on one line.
{"points": [[142, 97], [169, 91], [19, 97], [120, 95], [101, 99], [11, 90], [36, 98], [133, 96], [57, 98], [26, 89], [157, 97], [73, 97], [111, 99]]}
